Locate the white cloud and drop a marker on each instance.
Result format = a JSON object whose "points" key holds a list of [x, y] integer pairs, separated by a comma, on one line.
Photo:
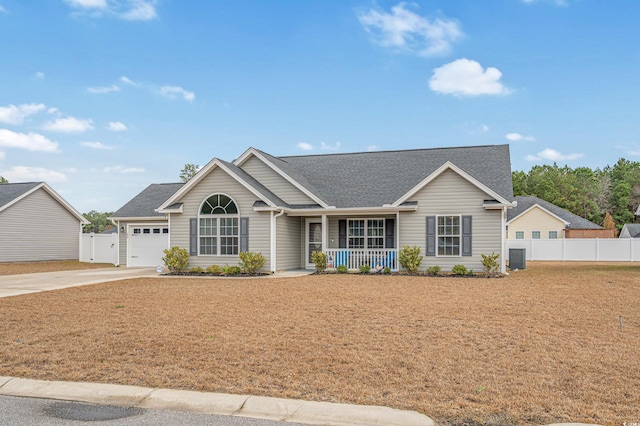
{"points": [[68, 125], [557, 2], [326, 147], [140, 10], [516, 137], [304, 146], [128, 81], [117, 126], [31, 174], [485, 128], [99, 90], [52, 110], [97, 145], [3, 10], [123, 170], [373, 148], [407, 31], [173, 92], [40, 75], [465, 77], [553, 155], [130, 10], [28, 141], [16, 114]]}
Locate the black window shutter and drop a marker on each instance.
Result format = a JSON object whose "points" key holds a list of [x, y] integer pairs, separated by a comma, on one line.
{"points": [[390, 233], [466, 236], [244, 234], [342, 233], [431, 236], [193, 236]]}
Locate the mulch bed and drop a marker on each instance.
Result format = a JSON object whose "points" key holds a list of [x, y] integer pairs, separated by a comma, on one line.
{"points": [[542, 345]]}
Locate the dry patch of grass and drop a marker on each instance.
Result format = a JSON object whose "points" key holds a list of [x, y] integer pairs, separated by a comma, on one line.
{"points": [[17, 268], [543, 345]]}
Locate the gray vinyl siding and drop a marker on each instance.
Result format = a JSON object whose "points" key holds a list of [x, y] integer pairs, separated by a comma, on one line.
{"points": [[123, 236], [219, 182], [38, 228], [451, 194], [288, 248], [276, 183]]}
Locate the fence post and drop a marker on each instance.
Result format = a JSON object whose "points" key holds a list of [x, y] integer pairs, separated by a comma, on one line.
{"points": [[597, 250]]}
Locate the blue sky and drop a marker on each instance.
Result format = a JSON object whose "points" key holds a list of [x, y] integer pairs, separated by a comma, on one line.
{"points": [[102, 97]]}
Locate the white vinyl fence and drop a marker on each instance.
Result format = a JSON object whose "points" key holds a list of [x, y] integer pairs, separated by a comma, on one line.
{"points": [[582, 249], [99, 248]]}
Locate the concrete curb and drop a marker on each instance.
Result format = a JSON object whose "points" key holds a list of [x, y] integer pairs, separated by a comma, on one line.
{"points": [[260, 407]]}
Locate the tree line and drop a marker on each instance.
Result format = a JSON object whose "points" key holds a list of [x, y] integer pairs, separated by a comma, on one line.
{"points": [[588, 193]]}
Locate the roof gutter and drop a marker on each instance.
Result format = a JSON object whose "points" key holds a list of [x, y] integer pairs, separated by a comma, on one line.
{"points": [[337, 210]]}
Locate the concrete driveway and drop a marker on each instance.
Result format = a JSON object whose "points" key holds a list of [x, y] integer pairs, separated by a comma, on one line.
{"points": [[13, 285]]}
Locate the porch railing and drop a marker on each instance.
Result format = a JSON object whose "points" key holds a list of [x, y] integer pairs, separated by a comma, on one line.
{"points": [[354, 258]]}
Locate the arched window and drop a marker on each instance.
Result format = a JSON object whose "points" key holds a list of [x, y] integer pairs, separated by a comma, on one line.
{"points": [[218, 220]]}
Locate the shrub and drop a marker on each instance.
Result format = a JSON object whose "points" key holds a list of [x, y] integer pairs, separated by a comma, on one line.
{"points": [[386, 270], [176, 259], [231, 270], [251, 261], [342, 269], [196, 270], [410, 259], [459, 270], [433, 270], [365, 269], [490, 263], [320, 260], [214, 269]]}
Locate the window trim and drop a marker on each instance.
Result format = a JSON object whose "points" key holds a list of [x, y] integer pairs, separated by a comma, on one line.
{"points": [[219, 236], [554, 237], [519, 235], [533, 233], [366, 235], [437, 236]]}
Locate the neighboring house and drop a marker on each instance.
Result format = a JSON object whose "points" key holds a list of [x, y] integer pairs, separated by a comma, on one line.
{"points": [[37, 224], [357, 208], [630, 230], [535, 218]]}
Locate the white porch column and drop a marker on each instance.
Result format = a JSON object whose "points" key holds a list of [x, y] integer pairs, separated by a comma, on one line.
{"points": [[325, 233], [503, 258], [397, 233], [272, 243]]}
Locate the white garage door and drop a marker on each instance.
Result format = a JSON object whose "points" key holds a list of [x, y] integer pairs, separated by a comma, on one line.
{"points": [[146, 245]]}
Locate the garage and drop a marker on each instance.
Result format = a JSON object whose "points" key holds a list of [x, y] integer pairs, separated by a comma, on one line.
{"points": [[146, 245]]}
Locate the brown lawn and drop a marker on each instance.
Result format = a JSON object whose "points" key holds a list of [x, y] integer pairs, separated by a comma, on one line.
{"points": [[17, 268], [543, 345]]}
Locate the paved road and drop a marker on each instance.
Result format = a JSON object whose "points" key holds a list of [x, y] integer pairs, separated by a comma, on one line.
{"points": [[46, 412]]}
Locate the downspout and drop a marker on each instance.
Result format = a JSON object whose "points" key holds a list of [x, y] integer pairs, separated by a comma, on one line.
{"points": [[273, 238]]}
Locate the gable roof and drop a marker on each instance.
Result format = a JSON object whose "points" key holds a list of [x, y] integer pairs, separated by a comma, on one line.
{"points": [[573, 221], [369, 179], [11, 193], [633, 229], [146, 202]]}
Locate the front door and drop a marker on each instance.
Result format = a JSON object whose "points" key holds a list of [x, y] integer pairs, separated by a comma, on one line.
{"points": [[314, 239]]}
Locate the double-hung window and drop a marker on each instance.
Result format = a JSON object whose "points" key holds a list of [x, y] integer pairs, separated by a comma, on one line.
{"points": [[448, 235], [519, 235], [535, 235], [218, 230], [365, 233]]}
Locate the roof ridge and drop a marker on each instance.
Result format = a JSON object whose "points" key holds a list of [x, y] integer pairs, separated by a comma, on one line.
{"points": [[385, 151]]}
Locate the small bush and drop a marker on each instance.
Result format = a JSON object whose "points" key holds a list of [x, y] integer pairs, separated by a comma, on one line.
{"points": [[459, 270], [251, 261], [490, 263], [231, 270], [410, 259], [342, 269], [196, 270], [320, 260], [176, 259], [433, 270], [214, 269], [386, 270], [365, 269]]}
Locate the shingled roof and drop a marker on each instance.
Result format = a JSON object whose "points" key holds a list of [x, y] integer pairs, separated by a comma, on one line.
{"points": [[369, 179], [11, 191], [526, 202], [145, 203]]}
